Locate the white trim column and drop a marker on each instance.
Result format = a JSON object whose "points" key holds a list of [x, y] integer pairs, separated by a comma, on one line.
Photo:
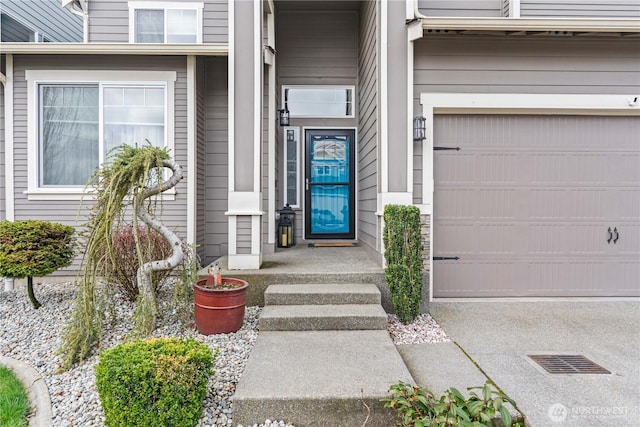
{"points": [[192, 197], [245, 134]]}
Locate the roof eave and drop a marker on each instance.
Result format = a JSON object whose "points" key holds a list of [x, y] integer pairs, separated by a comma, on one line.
{"points": [[217, 49], [588, 25]]}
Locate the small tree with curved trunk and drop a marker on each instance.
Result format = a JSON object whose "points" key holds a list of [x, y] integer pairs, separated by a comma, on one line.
{"points": [[33, 248], [123, 186]]}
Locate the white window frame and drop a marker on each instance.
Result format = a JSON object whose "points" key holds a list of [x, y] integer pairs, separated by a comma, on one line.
{"points": [[331, 87], [296, 132], [35, 78], [165, 5]]}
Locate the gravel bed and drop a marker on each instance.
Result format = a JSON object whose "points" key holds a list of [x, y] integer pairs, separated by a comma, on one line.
{"points": [[34, 336], [424, 329]]}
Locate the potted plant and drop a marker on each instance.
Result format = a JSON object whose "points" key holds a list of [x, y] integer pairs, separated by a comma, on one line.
{"points": [[219, 303]]}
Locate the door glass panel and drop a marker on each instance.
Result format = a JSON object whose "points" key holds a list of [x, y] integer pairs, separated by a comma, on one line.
{"points": [[330, 186], [329, 160], [330, 209]]}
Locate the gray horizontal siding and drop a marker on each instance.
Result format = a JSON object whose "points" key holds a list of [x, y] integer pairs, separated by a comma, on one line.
{"points": [[109, 21], [216, 157], [580, 8], [516, 65], [317, 48], [512, 65], [368, 126], [215, 25], [173, 213], [478, 8], [48, 17], [201, 120], [243, 234]]}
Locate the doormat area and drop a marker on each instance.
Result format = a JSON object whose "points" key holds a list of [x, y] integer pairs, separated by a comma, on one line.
{"points": [[333, 245]]}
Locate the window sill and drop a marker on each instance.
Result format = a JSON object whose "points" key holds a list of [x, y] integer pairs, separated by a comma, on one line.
{"points": [[75, 195]]}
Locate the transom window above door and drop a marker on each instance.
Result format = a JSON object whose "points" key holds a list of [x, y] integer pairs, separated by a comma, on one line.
{"points": [[165, 22], [319, 101]]}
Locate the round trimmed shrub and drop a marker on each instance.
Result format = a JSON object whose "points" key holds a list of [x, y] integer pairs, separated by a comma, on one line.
{"points": [[34, 248], [154, 382]]}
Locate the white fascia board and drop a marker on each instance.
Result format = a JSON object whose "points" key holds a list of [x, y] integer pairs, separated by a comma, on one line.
{"points": [[610, 25], [592, 104], [213, 49]]}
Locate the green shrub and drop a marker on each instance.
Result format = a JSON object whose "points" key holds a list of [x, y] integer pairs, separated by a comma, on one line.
{"points": [[34, 248], [417, 407], [154, 382], [403, 254], [123, 261]]}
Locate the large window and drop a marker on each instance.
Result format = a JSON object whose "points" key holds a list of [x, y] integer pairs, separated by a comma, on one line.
{"points": [[74, 126], [165, 22]]}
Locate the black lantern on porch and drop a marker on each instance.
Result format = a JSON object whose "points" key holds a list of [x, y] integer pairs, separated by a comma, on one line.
{"points": [[286, 230]]}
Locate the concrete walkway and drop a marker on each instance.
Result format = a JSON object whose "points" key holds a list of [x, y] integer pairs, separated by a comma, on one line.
{"points": [[37, 391], [499, 336]]}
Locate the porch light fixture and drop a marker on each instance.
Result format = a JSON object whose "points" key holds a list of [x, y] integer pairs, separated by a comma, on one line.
{"points": [[419, 128], [283, 117]]}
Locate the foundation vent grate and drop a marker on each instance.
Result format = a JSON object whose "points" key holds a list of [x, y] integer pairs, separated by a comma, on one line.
{"points": [[567, 364]]}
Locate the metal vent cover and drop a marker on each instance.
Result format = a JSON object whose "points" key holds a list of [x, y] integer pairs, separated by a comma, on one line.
{"points": [[567, 364]]}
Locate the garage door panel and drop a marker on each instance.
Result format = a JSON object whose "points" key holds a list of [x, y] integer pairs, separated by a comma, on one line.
{"points": [[478, 278], [527, 202], [628, 202], [626, 168], [473, 167], [475, 203], [628, 241]]}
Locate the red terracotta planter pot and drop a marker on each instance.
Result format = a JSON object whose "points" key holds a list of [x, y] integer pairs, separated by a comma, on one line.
{"points": [[219, 311]]}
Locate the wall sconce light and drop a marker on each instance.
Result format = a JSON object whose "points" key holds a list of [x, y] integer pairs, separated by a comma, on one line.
{"points": [[419, 128], [283, 117]]}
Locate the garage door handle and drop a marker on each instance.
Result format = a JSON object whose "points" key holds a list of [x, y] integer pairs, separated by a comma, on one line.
{"points": [[610, 235], [615, 231]]}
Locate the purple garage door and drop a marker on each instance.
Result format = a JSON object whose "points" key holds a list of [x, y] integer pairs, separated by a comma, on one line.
{"points": [[536, 206]]}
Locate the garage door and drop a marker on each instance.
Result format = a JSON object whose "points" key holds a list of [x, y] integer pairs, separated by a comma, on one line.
{"points": [[536, 206]]}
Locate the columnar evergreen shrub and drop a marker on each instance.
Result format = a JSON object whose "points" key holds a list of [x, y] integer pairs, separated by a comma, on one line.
{"points": [[33, 248], [154, 382], [403, 255]]}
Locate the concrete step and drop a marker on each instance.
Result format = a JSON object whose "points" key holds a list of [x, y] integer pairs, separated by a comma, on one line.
{"points": [[321, 378], [333, 317], [321, 294]]}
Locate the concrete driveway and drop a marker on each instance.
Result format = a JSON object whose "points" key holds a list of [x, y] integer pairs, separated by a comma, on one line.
{"points": [[499, 336]]}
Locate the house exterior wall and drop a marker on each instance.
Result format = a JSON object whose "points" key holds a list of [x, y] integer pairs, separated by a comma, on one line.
{"points": [[65, 211], [515, 65], [314, 48], [201, 156], [109, 21], [579, 9], [216, 171], [317, 48], [368, 100], [3, 213], [47, 17], [477, 8]]}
